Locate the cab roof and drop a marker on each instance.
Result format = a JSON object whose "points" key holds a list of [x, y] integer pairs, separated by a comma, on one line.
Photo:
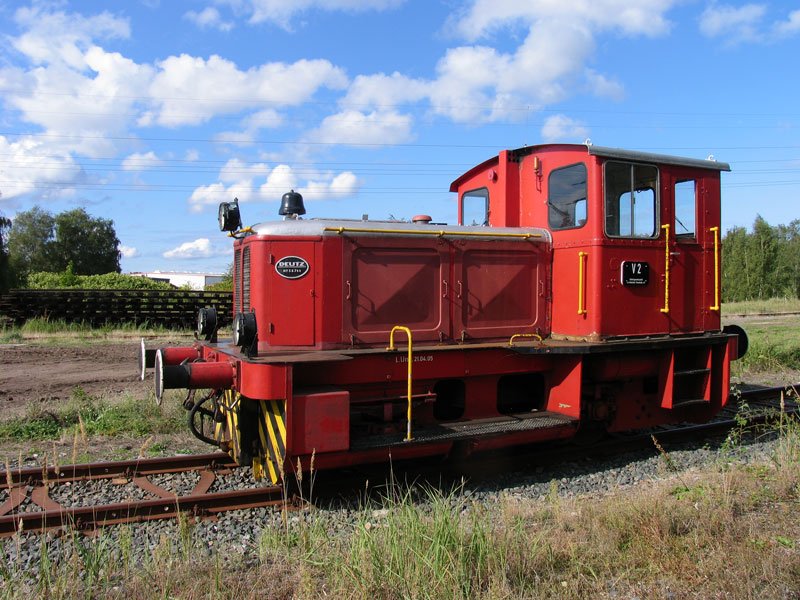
{"points": [[602, 151]]}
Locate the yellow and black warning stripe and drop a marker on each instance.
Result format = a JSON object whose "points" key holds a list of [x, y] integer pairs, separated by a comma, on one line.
{"points": [[272, 435], [227, 431], [237, 428]]}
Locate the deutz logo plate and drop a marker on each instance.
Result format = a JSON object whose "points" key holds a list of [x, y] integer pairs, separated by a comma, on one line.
{"points": [[292, 267]]}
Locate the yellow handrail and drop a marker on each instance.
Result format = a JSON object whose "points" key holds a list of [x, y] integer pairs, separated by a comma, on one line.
{"points": [[391, 347], [581, 283], [436, 232], [516, 335], [665, 310], [715, 230]]}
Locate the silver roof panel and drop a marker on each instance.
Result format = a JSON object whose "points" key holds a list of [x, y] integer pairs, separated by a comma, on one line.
{"points": [[664, 159], [320, 227]]}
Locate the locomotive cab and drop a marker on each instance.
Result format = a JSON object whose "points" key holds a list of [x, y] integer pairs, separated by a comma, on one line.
{"points": [[636, 236]]}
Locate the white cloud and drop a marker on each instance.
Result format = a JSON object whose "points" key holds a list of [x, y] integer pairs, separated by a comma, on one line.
{"points": [[330, 187], [560, 128], [737, 24], [128, 251], [355, 128], [281, 12], [30, 166], [57, 37], [478, 83], [746, 24], [790, 26], [602, 86], [190, 90], [383, 92], [259, 183], [199, 248], [141, 162], [252, 125], [55, 97], [484, 17], [208, 18], [237, 170]]}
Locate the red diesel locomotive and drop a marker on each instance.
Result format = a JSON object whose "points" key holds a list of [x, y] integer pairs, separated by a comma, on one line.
{"points": [[580, 289]]}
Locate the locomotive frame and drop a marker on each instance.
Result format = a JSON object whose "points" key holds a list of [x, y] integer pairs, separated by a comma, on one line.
{"points": [[585, 293]]}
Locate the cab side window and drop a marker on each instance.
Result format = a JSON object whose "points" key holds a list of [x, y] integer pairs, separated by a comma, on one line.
{"points": [[631, 200], [475, 207], [566, 197], [685, 208]]}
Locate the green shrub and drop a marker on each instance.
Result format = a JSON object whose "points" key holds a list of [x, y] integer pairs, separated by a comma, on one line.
{"points": [[107, 281]]}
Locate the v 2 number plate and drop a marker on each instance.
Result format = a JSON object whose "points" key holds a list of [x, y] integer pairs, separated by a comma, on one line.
{"points": [[635, 273]]}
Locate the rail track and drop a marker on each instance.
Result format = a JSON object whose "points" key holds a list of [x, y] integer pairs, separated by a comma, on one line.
{"points": [[33, 484]]}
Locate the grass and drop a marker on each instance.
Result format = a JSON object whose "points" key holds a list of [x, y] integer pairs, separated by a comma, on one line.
{"points": [[770, 306], [774, 347], [729, 532], [57, 329], [89, 416]]}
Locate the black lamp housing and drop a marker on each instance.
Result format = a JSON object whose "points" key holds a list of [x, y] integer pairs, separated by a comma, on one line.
{"points": [[292, 205], [245, 332], [229, 217], [207, 324]]}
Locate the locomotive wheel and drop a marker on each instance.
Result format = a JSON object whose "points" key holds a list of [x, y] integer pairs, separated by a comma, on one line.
{"points": [[202, 419]]}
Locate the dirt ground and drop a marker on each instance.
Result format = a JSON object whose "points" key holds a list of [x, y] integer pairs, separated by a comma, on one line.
{"points": [[34, 373], [44, 375]]}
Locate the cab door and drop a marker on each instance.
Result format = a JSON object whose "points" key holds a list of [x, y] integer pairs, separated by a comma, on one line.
{"points": [[633, 286], [682, 193]]}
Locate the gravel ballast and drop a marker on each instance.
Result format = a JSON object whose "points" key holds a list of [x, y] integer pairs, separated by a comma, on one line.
{"points": [[234, 535]]}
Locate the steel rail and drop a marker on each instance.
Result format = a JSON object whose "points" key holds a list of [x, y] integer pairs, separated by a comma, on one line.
{"points": [[105, 470], [89, 518]]}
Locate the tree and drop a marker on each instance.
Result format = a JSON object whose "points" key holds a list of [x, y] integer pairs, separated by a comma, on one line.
{"points": [[29, 243], [41, 242], [89, 244], [735, 274], [789, 257], [5, 268], [763, 254], [764, 263]]}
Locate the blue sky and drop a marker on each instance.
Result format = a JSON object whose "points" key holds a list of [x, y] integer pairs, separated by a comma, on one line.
{"points": [[151, 112]]}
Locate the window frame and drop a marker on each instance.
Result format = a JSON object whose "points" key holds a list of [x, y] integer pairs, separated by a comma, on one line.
{"points": [[692, 236], [585, 197], [657, 200], [486, 206]]}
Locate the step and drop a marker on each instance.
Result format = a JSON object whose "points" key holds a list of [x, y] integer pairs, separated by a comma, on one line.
{"points": [[464, 430], [689, 372], [688, 402]]}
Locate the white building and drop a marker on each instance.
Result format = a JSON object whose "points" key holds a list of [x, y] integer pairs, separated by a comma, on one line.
{"points": [[196, 281]]}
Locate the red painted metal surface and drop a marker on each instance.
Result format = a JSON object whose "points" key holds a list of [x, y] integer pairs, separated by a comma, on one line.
{"points": [[212, 375], [321, 422], [175, 355], [323, 328]]}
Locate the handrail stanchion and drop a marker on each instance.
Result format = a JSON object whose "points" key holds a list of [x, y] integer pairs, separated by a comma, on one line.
{"points": [[715, 230], [391, 347], [582, 282], [665, 310]]}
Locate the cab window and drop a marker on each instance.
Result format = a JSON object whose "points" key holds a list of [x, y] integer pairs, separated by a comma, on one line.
{"points": [[566, 197], [475, 207], [685, 208], [631, 200]]}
